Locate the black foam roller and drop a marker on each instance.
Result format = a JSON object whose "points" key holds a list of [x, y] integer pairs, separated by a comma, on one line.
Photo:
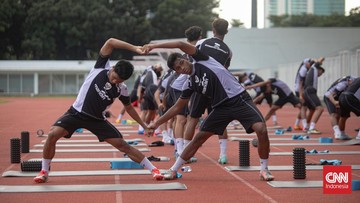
{"points": [[15, 155], [299, 161], [31, 166], [244, 153], [25, 142]]}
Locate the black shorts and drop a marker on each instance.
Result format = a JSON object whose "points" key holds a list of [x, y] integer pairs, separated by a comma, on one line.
{"points": [[311, 99], [267, 97], [149, 104], [174, 96], [198, 104], [133, 96], [330, 106], [348, 103], [240, 107], [291, 99], [73, 120]]}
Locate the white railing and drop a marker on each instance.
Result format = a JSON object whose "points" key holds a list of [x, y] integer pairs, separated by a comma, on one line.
{"points": [[346, 63]]}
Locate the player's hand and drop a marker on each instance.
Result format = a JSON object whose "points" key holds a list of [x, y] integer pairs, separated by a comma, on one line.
{"points": [[139, 50], [149, 131], [147, 48], [161, 107]]}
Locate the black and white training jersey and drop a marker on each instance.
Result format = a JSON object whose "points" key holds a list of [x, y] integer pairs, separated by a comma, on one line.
{"points": [[163, 83], [279, 88], [179, 82], [339, 86], [149, 78], [217, 49], [97, 93], [212, 80], [301, 74], [253, 79], [354, 88], [311, 79]]}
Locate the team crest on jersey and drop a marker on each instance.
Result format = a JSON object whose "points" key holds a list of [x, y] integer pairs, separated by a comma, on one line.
{"points": [[107, 86]]}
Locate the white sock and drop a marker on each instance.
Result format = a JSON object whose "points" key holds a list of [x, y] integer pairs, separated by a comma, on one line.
{"points": [[45, 164], [120, 116], [141, 128], [263, 164], [147, 164], [223, 144], [297, 122], [336, 130], [165, 137], [312, 126], [186, 142], [178, 163], [358, 135], [304, 123], [274, 118], [171, 133], [179, 142]]}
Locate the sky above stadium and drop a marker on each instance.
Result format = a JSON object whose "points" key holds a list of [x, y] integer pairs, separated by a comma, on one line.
{"points": [[241, 10]]}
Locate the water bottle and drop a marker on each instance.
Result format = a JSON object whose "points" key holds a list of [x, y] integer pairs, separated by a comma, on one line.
{"points": [[186, 169]]}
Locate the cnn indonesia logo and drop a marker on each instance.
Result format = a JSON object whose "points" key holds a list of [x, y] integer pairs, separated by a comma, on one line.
{"points": [[337, 179]]}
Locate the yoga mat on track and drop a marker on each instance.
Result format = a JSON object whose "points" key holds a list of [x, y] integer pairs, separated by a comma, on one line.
{"points": [[92, 188], [162, 158], [322, 153], [79, 173], [90, 145], [96, 141], [280, 168], [296, 184], [89, 150]]}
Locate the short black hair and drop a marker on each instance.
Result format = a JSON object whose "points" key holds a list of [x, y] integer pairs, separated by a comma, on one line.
{"points": [[172, 58], [193, 33], [124, 69]]}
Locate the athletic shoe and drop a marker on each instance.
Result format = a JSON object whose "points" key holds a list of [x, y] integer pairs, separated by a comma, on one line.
{"points": [[223, 160], [305, 130], [297, 127], [266, 175], [343, 137], [314, 131], [358, 137], [140, 132], [156, 174], [169, 174], [191, 160], [117, 121], [42, 177]]}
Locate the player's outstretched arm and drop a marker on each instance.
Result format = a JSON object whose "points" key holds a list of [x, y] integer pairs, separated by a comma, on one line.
{"points": [[183, 46], [113, 43]]}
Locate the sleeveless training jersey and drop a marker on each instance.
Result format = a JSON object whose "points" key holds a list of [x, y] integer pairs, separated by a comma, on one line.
{"points": [[212, 80], [97, 93]]}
